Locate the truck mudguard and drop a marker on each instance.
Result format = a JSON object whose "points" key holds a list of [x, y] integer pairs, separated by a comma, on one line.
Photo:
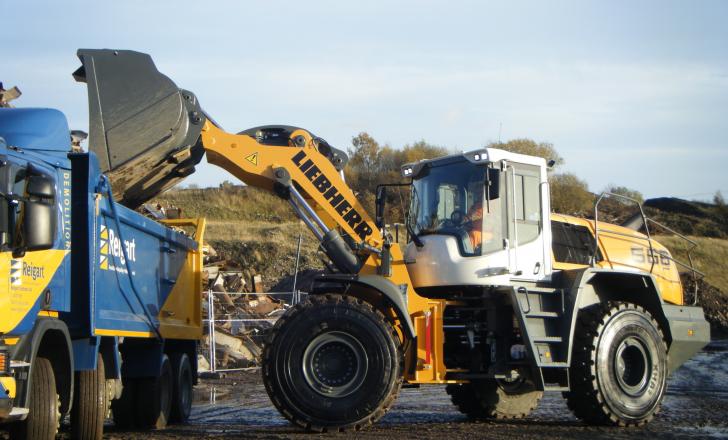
{"points": [[58, 350]]}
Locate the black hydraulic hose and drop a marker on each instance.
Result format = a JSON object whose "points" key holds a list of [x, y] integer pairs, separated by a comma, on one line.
{"points": [[112, 204]]}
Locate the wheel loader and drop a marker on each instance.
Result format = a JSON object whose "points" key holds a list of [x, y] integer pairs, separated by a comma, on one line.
{"points": [[494, 296]]}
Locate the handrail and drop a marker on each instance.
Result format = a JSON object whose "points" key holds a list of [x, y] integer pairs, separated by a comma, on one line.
{"points": [[690, 266]]}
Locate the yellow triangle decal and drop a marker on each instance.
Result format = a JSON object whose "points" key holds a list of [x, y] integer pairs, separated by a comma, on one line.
{"points": [[253, 158], [105, 248], [104, 233], [104, 263]]}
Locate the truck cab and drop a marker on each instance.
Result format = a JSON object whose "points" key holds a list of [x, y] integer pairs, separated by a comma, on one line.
{"points": [[35, 240]]}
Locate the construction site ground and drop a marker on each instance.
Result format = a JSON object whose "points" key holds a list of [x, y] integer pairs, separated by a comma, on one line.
{"points": [[236, 406]]}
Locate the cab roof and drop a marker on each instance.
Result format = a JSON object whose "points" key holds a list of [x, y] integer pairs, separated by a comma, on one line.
{"points": [[35, 129], [481, 155]]}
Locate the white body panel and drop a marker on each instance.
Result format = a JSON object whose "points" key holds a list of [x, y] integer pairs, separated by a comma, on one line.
{"points": [[439, 263]]}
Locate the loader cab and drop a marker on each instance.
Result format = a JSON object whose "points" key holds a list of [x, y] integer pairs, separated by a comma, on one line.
{"points": [[479, 219]]}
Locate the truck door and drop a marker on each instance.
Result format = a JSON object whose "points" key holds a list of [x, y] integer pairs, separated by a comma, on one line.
{"points": [[525, 207], [5, 237]]}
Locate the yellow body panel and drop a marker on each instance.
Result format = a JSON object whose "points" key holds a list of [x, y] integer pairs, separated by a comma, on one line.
{"points": [[25, 280], [626, 249], [120, 333], [418, 308], [8, 383], [181, 314]]}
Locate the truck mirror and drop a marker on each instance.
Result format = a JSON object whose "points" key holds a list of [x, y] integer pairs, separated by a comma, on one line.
{"points": [[493, 183], [380, 201], [38, 227], [39, 186]]}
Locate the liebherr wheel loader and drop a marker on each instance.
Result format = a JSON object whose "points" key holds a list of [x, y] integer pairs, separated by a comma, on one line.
{"points": [[494, 296]]}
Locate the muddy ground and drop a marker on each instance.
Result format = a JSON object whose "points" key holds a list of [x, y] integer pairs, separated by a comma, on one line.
{"points": [[236, 406], [696, 406]]}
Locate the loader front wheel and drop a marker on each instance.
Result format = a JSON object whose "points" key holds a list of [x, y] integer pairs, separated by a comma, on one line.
{"points": [[618, 372], [495, 399], [333, 363]]}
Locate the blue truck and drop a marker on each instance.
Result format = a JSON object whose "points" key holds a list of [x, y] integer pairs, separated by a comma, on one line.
{"points": [[100, 307]]}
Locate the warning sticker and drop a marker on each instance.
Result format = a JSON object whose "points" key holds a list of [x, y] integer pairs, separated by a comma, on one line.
{"points": [[253, 158]]}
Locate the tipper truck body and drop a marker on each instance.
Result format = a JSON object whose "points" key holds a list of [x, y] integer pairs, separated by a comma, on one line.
{"points": [[100, 305]]}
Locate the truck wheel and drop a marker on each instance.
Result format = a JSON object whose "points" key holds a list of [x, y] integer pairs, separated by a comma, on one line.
{"points": [[44, 405], [123, 409], [618, 371], [333, 363], [182, 395], [154, 398], [495, 399], [89, 403]]}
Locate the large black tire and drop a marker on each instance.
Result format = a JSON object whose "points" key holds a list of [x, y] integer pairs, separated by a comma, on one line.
{"points": [[182, 391], [333, 363], [89, 403], [44, 405], [154, 398], [618, 371], [123, 409], [495, 399]]}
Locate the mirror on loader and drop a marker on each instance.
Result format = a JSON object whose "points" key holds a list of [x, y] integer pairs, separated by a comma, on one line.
{"points": [[380, 201], [493, 183]]}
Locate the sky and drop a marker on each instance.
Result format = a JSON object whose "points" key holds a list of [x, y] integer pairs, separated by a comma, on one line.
{"points": [[629, 93]]}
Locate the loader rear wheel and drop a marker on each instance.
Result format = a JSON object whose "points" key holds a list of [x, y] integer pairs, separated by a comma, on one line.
{"points": [[333, 363], [618, 372], [495, 399], [90, 403], [182, 395], [44, 405], [154, 398]]}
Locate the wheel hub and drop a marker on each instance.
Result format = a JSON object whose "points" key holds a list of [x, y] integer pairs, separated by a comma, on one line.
{"points": [[632, 366], [335, 364]]}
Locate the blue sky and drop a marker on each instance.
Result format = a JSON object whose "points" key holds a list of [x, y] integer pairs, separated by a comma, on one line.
{"points": [[630, 93]]}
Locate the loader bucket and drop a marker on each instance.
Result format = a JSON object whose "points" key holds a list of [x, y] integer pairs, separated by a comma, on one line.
{"points": [[144, 130]]}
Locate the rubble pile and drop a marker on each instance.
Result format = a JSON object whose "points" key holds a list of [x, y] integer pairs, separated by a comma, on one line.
{"points": [[243, 313]]}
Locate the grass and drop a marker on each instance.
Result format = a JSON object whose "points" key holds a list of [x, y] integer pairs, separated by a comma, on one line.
{"points": [[710, 257], [233, 203]]}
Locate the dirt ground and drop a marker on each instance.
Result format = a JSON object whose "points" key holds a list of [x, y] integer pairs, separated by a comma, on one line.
{"points": [[236, 406], [696, 406]]}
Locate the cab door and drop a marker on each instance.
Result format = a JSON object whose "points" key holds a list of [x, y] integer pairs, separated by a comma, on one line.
{"points": [[5, 249], [526, 189]]}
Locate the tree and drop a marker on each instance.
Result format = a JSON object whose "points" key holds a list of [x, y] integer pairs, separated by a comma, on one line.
{"points": [[718, 199], [624, 191], [531, 148], [570, 195], [371, 164]]}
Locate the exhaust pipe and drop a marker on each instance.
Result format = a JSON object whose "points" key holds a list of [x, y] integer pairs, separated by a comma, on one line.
{"points": [[144, 130], [636, 222]]}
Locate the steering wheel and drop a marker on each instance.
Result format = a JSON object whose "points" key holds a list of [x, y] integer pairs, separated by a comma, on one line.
{"points": [[457, 217]]}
